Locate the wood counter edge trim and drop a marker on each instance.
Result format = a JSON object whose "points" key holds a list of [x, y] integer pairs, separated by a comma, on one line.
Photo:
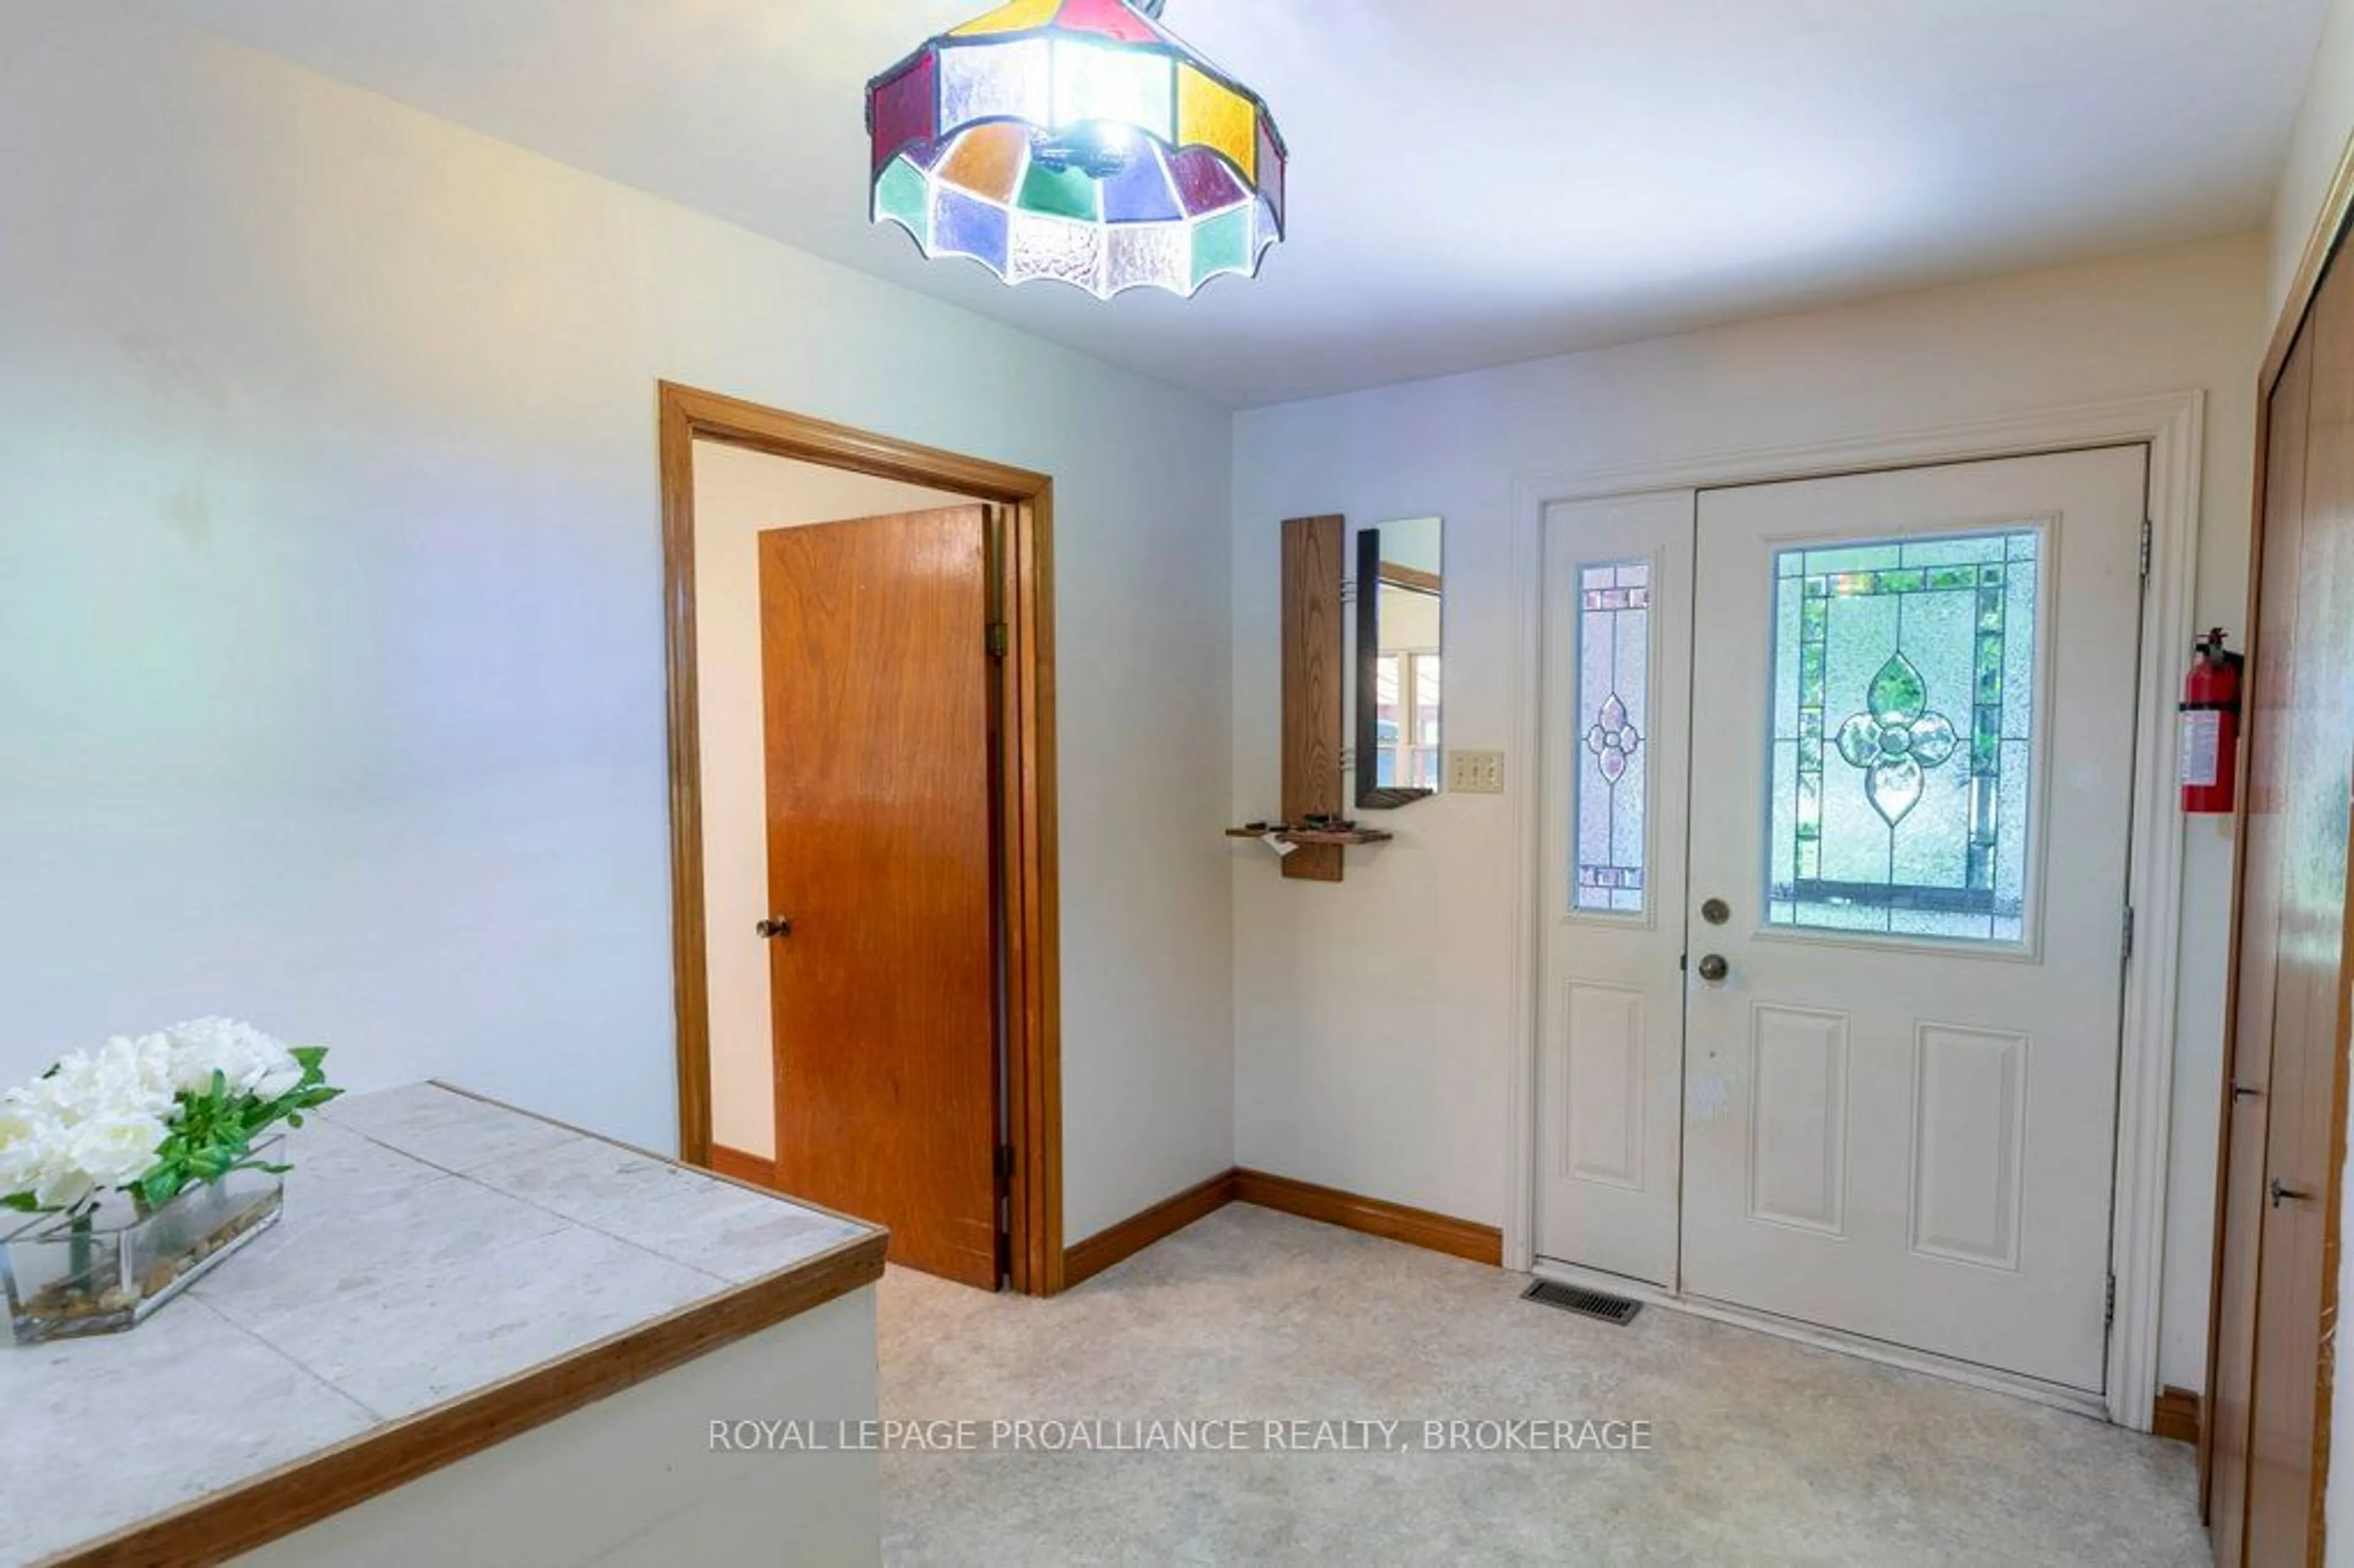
{"points": [[1303, 1199], [2177, 1417], [273, 1506]]}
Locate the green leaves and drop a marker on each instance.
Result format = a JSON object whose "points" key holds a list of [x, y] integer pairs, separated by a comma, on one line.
{"points": [[149, 1116], [215, 1132]]}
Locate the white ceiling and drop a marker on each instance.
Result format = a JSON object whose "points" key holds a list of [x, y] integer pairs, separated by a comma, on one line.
{"points": [[1474, 182]]}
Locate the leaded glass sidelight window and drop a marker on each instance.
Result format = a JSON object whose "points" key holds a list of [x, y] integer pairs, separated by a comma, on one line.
{"points": [[1614, 721], [1905, 680]]}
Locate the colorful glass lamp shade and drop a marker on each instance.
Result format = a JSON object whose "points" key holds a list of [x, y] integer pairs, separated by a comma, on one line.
{"points": [[1077, 139]]}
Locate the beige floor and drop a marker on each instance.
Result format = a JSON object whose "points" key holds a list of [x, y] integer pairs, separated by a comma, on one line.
{"points": [[1765, 1452]]}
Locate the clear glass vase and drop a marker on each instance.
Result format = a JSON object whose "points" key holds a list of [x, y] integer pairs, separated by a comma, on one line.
{"points": [[107, 1271]]}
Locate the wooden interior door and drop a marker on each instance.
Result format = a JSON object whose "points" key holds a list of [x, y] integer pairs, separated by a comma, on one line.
{"points": [[2274, 1366], [879, 722]]}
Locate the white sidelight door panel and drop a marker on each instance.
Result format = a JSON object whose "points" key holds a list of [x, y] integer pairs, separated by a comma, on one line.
{"points": [[1610, 1063], [1913, 740]]}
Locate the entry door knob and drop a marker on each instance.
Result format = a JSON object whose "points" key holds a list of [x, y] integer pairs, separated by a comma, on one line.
{"points": [[770, 931], [1714, 968], [2283, 1195]]}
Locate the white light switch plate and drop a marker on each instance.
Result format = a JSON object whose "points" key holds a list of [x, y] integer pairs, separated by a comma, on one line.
{"points": [[1475, 772]]}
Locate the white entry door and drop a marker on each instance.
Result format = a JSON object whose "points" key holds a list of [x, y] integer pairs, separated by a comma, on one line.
{"points": [[1898, 936], [1619, 647]]}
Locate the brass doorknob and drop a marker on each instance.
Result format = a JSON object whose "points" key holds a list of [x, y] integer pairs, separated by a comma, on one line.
{"points": [[1714, 968]]}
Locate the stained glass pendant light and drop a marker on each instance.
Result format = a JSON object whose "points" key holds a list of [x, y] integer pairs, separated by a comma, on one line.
{"points": [[1076, 139]]}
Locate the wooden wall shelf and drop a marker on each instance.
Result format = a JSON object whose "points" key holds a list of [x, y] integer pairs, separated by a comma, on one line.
{"points": [[1317, 835], [1312, 707], [1312, 569]]}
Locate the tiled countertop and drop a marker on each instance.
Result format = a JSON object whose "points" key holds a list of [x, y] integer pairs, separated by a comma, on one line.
{"points": [[434, 1246]]}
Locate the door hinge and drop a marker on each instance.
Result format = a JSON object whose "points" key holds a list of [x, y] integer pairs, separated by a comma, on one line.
{"points": [[1004, 1163], [2130, 934], [2148, 546], [998, 639], [2109, 1318]]}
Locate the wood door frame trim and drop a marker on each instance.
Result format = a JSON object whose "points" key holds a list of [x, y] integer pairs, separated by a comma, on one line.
{"points": [[1026, 826], [2329, 226], [2173, 427], [754, 1170]]}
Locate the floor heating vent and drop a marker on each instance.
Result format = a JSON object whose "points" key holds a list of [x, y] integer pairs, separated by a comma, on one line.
{"points": [[1614, 1310]]}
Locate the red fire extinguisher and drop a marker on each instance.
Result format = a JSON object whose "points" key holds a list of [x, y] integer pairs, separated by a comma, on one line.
{"points": [[2211, 729]]}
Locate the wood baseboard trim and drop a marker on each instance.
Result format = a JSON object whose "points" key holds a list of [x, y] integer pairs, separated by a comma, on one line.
{"points": [[1417, 1227], [1133, 1235], [1326, 1205], [2177, 1417], [737, 1165]]}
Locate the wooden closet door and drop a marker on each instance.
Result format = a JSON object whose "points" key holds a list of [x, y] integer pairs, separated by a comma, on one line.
{"points": [[2303, 730], [2249, 1096]]}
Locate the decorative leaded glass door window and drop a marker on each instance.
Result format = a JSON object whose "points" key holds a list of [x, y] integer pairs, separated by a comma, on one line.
{"points": [[1905, 737], [1614, 718]]}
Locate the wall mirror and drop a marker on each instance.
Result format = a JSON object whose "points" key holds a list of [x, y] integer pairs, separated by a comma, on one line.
{"points": [[1401, 618]]}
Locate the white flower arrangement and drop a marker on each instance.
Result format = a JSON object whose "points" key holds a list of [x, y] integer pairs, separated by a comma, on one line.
{"points": [[151, 1116]]}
